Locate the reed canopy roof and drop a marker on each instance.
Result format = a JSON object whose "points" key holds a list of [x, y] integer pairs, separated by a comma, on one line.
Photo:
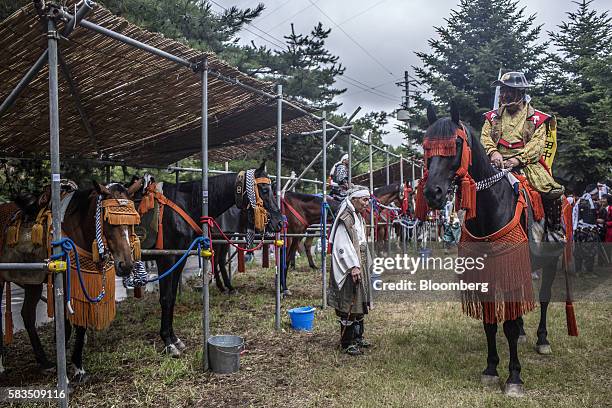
{"points": [[124, 104]]}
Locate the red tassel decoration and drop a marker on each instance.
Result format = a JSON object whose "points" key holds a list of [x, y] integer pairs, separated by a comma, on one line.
{"points": [[572, 325], [468, 196], [439, 147]]}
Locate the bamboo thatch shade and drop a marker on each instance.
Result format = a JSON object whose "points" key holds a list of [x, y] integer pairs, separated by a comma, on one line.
{"points": [[141, 108]]}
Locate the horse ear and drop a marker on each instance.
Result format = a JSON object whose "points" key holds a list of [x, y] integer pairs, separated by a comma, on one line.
{"points": [[454, 112], [100, 189], [262, 166], [431, 114]]}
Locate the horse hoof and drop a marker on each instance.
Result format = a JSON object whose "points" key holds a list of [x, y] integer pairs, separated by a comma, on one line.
{"points": [[522, 339], [514, 390], [489, 380], [543, 349], [80, 378], [179, 344], [287, 292], [232, 292], [172, 350]]}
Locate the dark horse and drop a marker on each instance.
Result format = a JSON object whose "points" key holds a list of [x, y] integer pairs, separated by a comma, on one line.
{"points": [[495, 207], [79, 225], [302, 210], [178, 235]]}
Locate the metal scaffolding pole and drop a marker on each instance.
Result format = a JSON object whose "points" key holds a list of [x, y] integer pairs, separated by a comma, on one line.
{"points": [[313, 161], [127, 40], [205, 288], [324, 216], [40, 62], [372, 230], [350, 156], [279, 271], [58, 278], [402, 229], [388, 226]]}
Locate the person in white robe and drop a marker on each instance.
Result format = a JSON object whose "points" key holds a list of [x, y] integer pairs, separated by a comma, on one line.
{"points": [[349, 290]]}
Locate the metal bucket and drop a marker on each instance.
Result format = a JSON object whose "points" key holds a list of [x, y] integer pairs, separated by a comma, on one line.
{"points": [[224, 353]]}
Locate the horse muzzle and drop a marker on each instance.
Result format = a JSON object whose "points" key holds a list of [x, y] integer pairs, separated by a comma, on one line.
{"points": [[123, 269], [435, 196]]}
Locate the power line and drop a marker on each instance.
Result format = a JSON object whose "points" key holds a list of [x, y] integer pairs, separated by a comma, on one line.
{"points": [[289, 18], [274, 10], [394, 99], [277, 43], [353, 40], [345, 78], [373, 87], [366, 86], [361, 12]]}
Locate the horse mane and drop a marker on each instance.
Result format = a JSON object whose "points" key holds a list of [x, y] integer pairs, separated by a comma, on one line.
{"points": [[195, 185], [80, 199], [443, 128], [303, 196]]}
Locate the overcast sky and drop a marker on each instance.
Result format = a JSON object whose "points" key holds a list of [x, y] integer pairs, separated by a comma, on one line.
{"points": [[376, 39]]}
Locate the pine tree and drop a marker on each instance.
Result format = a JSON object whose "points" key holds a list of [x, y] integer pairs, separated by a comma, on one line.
{"points": [[308, 70], [578, 89], [480, 37]]}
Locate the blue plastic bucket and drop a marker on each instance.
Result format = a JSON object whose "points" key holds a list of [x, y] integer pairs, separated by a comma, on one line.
{"points": [[302, 318]]}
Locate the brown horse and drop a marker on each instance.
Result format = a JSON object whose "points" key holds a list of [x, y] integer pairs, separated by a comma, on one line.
{"points": [[302, 210], [386, 195], [79, 225]]}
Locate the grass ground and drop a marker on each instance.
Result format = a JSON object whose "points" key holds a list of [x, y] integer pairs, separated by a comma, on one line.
{"points": [[426, 355]]}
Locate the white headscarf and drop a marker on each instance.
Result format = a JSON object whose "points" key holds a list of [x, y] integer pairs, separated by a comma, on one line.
{"points": [[333, 168], [354, 193]]}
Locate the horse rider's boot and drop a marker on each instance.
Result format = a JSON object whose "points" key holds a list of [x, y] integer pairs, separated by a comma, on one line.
{"points": [[552, 216], [359, 340], [347, 338]]}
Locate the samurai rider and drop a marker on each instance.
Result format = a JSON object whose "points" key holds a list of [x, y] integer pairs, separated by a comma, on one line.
{"points": [[515, 136], [339, 176], [349, 290]]}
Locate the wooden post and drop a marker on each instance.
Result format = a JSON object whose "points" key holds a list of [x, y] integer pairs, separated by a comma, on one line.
{"points": [[241, 267], [265, 256]]}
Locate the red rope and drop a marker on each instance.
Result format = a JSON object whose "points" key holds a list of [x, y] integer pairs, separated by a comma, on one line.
{"points": [[210, 221]]}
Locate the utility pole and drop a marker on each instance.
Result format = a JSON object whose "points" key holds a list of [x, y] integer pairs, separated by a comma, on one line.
{"points": [[403, 112]]}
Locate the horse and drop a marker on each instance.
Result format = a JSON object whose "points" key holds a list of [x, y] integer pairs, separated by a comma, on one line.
{"points": [[386, 195], [302, 210], [79, 224], [495, 206], [178, 233]]}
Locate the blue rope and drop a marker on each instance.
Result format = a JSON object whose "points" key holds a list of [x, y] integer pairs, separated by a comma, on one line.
{"points": [[198, 241], [330, 211], [67, 245]]}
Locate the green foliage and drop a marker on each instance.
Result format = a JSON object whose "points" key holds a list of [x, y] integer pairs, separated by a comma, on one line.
{"points": [[578, 89], [480, 37], [573, 80], [308, 69]]}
